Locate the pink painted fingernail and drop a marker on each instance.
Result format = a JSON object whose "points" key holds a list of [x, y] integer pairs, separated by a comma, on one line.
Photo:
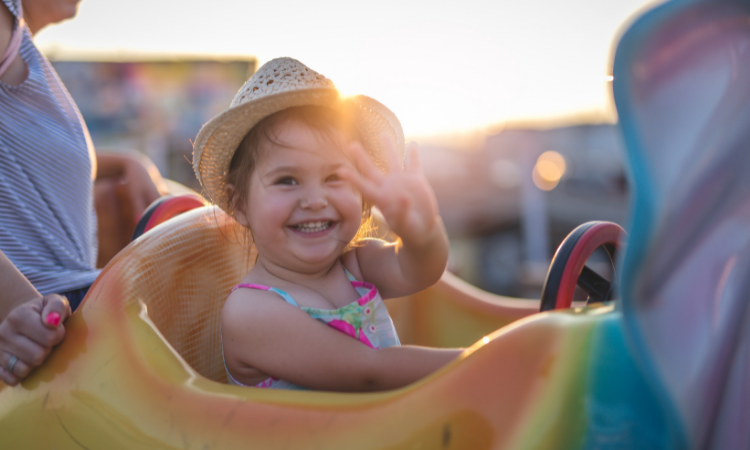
{"points": [[53, 319]]}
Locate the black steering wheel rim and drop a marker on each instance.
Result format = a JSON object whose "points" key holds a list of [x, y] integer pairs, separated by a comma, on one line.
{"points": [[568, 268]]}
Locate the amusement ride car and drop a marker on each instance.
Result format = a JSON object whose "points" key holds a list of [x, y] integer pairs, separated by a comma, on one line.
{"points": [[665, 366]]}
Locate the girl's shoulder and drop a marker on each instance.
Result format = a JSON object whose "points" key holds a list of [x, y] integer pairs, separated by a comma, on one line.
{"points": [[246, 294], [350, 261], [247, 306]]}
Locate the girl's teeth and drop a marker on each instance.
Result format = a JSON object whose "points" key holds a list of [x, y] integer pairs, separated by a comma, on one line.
{"points": [[313, 227]]}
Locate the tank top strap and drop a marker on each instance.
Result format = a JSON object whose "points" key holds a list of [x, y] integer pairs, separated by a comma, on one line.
{"points": [[363, 288], [349, 275], [288, 298]]}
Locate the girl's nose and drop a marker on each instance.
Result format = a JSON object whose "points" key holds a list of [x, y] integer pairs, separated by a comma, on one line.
{"points": [[314, 201]]}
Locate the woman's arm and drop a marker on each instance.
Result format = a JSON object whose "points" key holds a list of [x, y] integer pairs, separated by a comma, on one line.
{"points": [[262, 332]]}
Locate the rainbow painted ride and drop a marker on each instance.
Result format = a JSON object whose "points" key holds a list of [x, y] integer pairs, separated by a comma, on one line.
{"points": [[665, 368]]}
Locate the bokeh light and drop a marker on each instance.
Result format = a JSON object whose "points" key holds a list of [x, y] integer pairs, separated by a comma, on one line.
{"points": [[548, 170]]}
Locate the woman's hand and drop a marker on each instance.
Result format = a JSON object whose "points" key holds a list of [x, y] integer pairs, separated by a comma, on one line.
{"points": [[137, 175], [28, 334], [143, 182], [403, 195]]}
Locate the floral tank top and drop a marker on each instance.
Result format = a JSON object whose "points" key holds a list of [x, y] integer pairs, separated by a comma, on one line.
{"points": [[365, 319]]}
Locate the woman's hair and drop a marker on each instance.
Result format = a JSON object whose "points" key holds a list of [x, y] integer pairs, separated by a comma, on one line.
{"points": [[329, 125]]}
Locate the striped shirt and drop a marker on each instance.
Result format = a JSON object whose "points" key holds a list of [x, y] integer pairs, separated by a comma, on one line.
{"points": [[47, 217]]}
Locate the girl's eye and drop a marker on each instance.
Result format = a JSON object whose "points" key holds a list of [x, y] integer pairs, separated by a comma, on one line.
{"points": [[286, 180], [333, 177]]}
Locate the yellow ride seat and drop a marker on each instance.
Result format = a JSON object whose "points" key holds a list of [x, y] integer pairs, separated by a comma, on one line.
{"points": [[183, 273], [140, 367]]}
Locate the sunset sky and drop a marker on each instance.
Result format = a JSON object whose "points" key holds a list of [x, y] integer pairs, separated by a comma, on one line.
{"points": [[441, 66]]}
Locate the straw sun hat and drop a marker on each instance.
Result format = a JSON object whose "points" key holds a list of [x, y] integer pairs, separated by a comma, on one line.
{"points": [[280, 84]]}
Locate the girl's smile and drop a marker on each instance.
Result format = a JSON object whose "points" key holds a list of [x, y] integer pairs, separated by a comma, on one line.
{"points": [[314, 229]]}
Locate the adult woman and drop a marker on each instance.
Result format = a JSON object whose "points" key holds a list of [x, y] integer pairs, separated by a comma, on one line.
{"points": [[47, 223]]}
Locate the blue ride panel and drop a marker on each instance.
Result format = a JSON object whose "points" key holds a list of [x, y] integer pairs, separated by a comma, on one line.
{"points": [[682, 90]]}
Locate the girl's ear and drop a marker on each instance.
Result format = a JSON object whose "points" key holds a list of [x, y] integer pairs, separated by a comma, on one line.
{"points": [[238, 210]]}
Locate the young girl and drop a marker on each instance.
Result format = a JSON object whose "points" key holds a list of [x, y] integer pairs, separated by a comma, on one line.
{"points": [[300, 167]]}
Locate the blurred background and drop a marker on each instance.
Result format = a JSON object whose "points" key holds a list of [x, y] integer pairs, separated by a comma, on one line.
{"points": [[510, 101]]}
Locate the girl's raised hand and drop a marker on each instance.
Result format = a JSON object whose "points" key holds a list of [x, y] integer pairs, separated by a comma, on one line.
{"points": [[403, 195]]}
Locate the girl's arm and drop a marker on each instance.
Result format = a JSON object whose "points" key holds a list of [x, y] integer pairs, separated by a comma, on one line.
{"points": [[261, 331], [406, 200]]}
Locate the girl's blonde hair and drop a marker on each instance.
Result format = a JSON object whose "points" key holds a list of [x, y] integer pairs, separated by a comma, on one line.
{"points": [[329, 124]]}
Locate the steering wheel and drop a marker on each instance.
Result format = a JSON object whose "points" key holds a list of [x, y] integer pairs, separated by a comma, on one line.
{"points": [[568, 267]]}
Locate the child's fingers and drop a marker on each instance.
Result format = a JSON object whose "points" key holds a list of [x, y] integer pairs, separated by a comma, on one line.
{"points": [[367, 188], [391, 154], [412, 163], [364, 163]]}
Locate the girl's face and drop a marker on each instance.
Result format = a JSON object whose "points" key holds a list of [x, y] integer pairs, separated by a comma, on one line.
{"points": [[301, 213]]}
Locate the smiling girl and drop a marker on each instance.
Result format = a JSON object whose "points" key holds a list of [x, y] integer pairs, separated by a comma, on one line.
{"points": [[300, 168]]}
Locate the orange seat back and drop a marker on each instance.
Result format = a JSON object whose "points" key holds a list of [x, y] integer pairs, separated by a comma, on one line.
{"points": [[183, 271]]}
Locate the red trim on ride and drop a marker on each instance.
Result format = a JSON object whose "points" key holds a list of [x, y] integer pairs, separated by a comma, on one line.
{"points": [[593, 238], [173, 207]]}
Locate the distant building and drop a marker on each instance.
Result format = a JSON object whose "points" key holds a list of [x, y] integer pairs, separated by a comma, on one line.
{"points": [[593, 186], [504, 229], [154, 106]]}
